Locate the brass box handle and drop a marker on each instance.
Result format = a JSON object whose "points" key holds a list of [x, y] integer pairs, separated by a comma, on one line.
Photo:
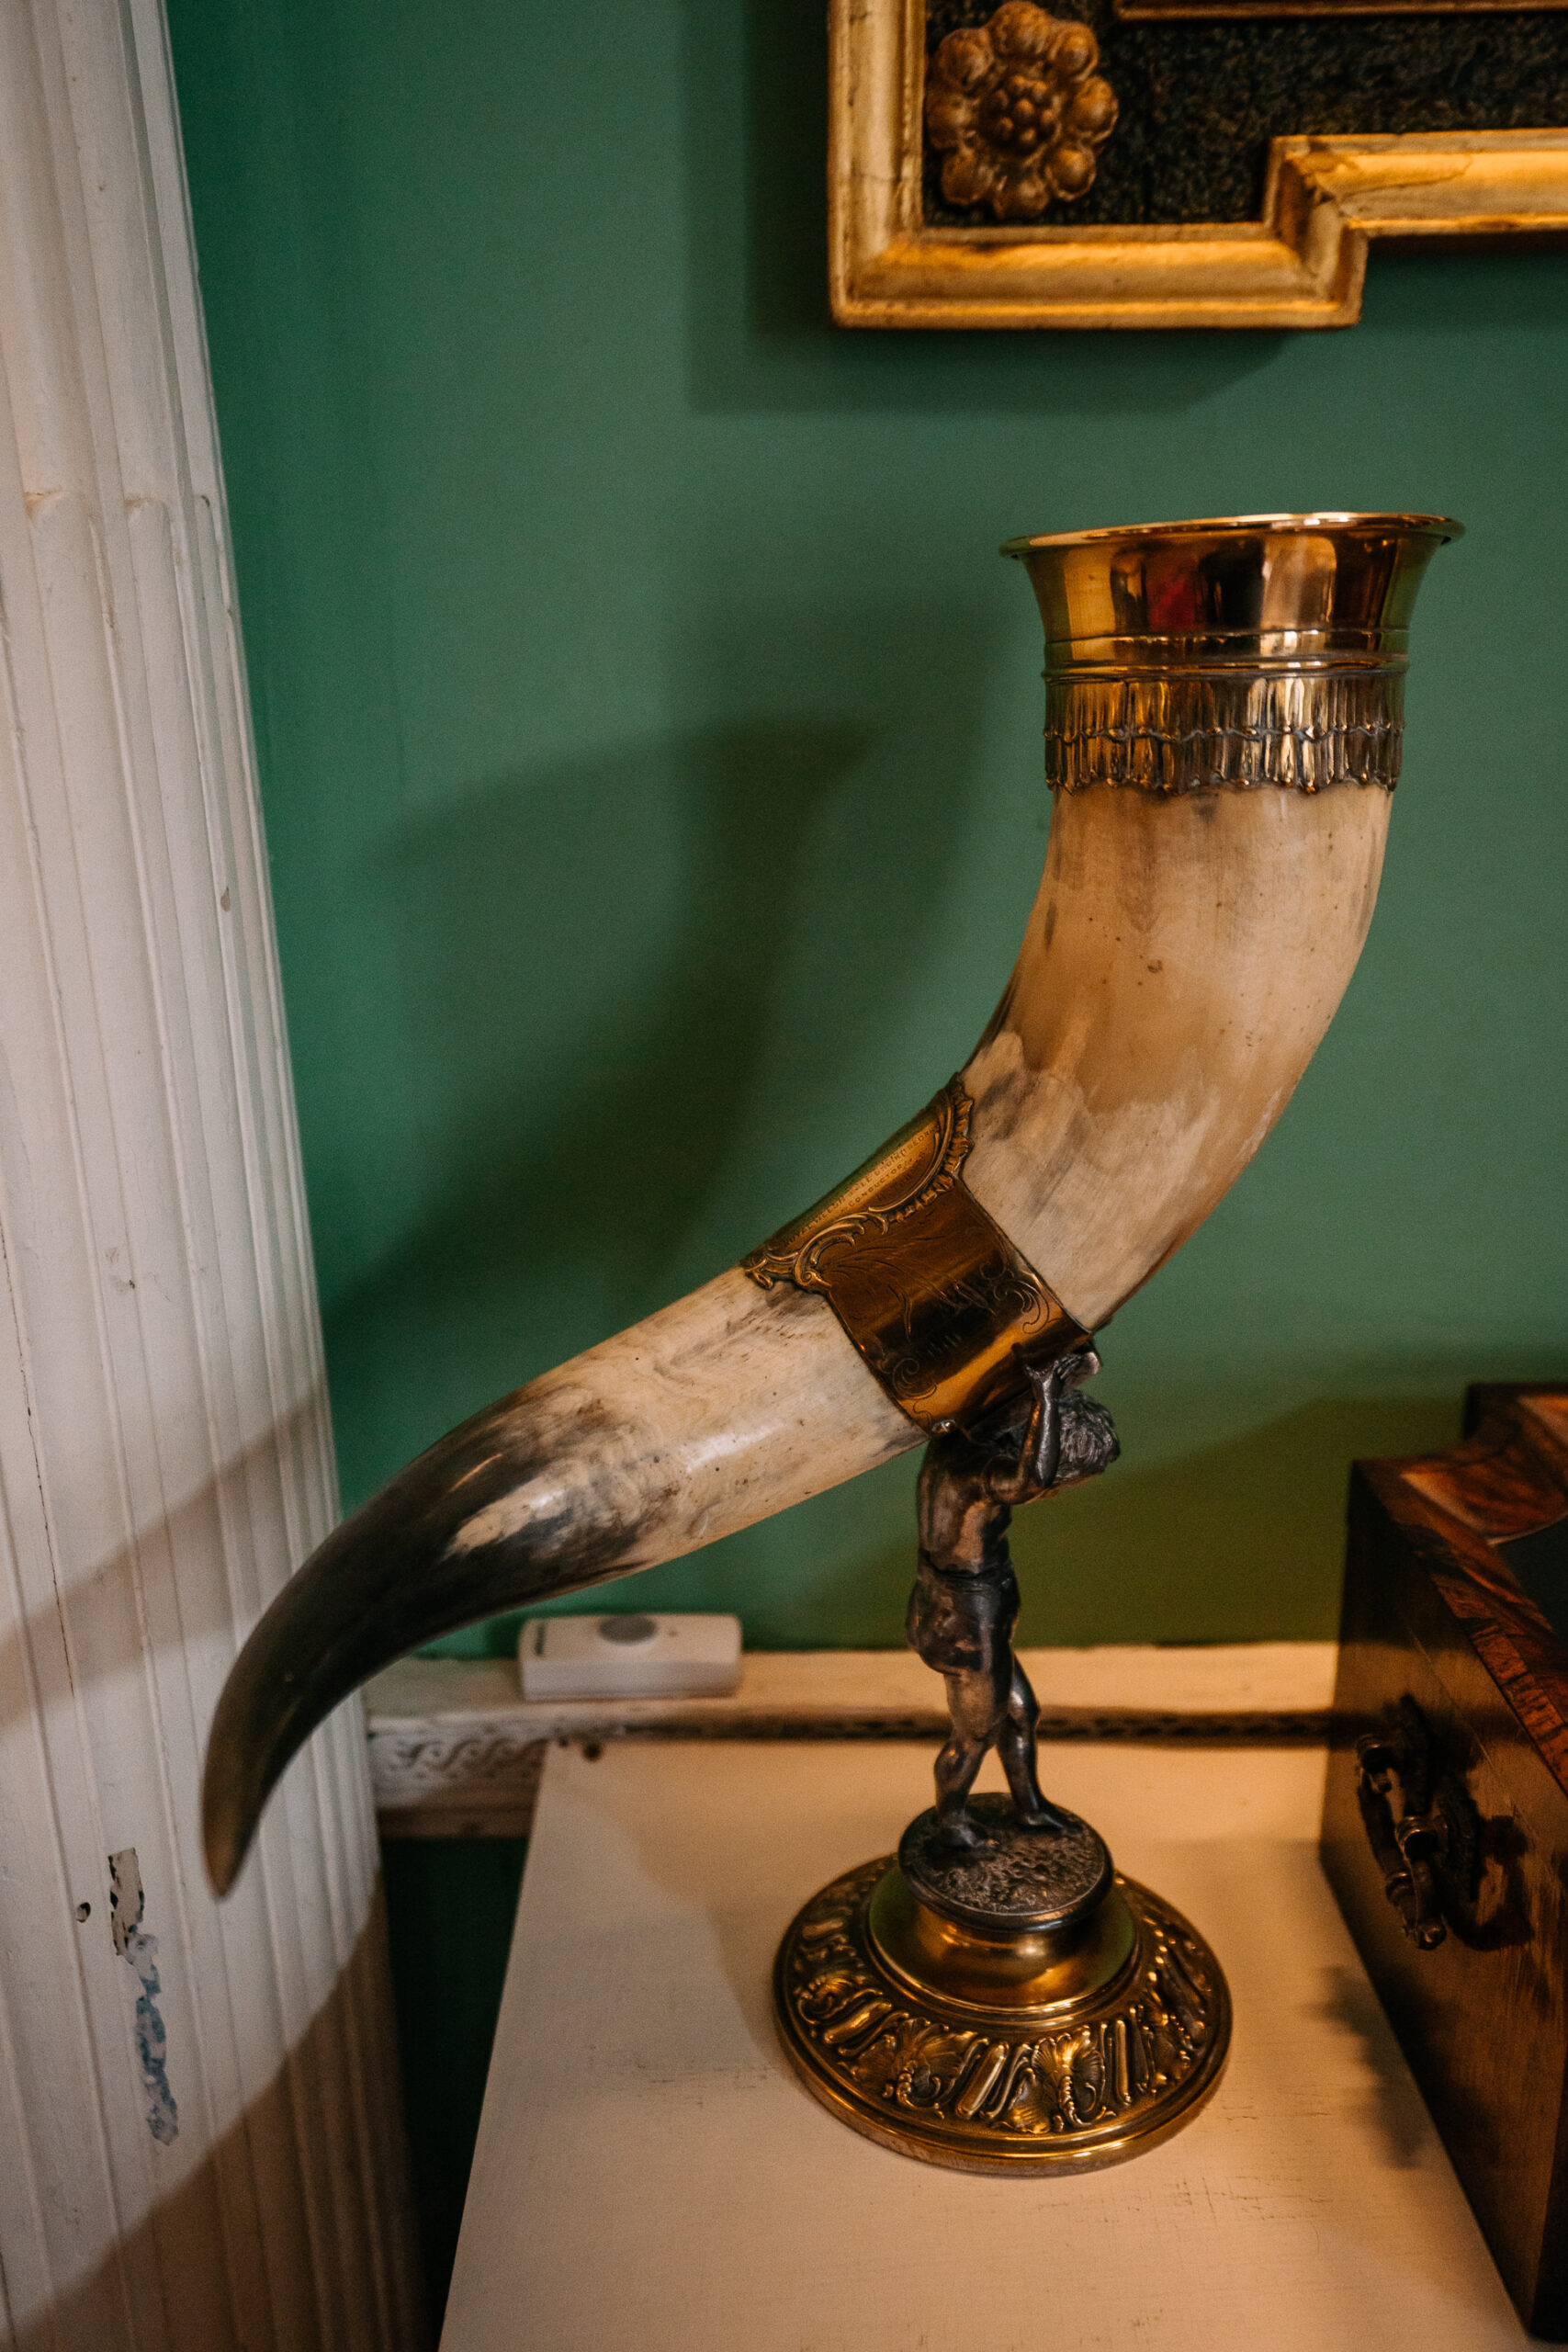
{"points": [[1421, 1823]]}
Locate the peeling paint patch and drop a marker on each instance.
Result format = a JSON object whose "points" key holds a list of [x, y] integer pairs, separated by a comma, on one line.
{"points": [[127, 1902], [151, 2042], [126, 1899]]}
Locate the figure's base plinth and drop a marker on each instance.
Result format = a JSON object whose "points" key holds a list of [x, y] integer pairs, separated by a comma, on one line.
{"points": [[955, 2013]]}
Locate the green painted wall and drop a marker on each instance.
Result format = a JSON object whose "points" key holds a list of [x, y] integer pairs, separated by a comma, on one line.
{"points": [[650, 744]]}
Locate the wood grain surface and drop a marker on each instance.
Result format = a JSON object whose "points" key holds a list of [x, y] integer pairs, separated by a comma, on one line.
{"points": [[1432, 1614]]}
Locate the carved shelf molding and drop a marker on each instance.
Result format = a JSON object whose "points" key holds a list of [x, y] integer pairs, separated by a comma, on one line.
{"points": [[454, 1752]]}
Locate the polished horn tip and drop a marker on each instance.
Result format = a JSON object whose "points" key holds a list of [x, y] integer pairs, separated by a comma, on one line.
{"points": [[238, 1777], [390, 1579], [226, 1833]]}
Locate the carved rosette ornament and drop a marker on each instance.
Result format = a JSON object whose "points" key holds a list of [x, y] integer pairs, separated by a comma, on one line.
{"points": [[1018, 110]]}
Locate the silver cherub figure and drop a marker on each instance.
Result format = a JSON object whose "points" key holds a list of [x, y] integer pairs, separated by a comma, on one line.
{"points": [[964, 1604]]}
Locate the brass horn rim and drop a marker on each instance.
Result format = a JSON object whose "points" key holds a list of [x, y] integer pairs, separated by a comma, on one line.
{"points": [[1443, 527]]}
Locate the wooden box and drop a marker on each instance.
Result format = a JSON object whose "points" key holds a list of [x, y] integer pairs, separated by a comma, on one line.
{"points": [[1445, 1828]]}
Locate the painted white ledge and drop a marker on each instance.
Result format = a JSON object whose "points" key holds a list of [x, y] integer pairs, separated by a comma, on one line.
{"points": [[650, 2177], [455, 1751]]}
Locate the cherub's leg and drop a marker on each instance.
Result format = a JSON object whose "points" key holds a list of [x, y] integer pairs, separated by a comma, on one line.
{"points": [[1015, 1746], [979, 1712]]}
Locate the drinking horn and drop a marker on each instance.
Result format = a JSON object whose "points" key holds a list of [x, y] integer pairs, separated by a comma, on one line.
{"points": [[1223, 718]]}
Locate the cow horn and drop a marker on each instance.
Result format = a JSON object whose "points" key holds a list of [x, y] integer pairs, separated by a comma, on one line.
{"points": [[1222, 733]]}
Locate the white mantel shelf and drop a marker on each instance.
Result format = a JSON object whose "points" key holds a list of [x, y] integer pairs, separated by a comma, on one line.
{"points": [[650, 2175]]}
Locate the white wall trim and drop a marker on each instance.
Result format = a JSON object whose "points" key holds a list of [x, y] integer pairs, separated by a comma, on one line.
{"points": [[165, 1456]]}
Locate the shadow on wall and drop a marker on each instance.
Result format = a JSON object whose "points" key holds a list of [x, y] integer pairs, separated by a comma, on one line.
{"points": [[611, 1159], [101, 1608], [195, 2284], [574, 1140], [1207, 1546]]}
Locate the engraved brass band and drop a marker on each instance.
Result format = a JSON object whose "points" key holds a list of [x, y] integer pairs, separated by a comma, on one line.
{"points": [[1038, 2052], [1253, 650], [925, 1284], [1194, 730]]}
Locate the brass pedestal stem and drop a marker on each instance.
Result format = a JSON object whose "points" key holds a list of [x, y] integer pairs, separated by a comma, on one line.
{"points": [[996, 2037]]}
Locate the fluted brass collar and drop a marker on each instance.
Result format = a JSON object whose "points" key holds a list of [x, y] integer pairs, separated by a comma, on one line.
{"points": [[1298, 590]]}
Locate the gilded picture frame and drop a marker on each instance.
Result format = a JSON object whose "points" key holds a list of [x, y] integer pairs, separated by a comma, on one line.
{"points": [[1300, 263]]}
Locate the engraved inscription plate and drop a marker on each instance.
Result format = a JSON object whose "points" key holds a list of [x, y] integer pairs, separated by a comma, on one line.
{"points": [[926, 1284]]}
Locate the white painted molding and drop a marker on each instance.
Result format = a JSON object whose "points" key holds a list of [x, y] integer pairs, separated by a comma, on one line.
{"points": [[456, 1750], [200, 2136]]}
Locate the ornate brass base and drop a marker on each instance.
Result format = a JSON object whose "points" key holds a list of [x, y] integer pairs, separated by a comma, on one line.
{"points": [[998, 2034]]}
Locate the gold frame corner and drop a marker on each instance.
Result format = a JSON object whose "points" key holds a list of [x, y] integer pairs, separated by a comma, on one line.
{"points": [[1301, 265]]}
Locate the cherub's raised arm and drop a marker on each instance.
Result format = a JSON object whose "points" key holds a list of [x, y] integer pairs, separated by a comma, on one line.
{"points": [[1040, 1455]]}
